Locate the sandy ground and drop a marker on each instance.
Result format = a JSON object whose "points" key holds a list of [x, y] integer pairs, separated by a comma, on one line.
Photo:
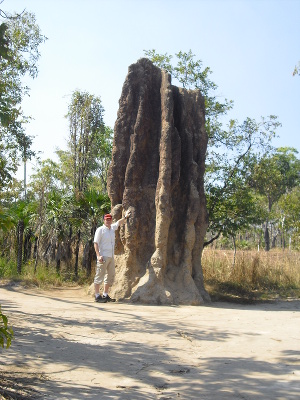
{"points": [[69, 347]]}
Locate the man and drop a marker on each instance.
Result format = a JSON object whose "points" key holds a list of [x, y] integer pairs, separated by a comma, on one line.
{"points": [[104, 243]]}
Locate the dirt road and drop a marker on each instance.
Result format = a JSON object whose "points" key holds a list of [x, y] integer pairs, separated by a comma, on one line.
{"points": [[68, 347]]}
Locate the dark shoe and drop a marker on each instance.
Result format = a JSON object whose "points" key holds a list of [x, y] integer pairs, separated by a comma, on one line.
{"points": [[101, 299], [109, 298]]}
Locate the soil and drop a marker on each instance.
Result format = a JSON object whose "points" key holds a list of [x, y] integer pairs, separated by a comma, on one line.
{"points": [[66, 346]]}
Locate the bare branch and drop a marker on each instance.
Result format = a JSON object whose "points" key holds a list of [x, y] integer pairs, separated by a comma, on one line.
{"points": [[3, 14], [212, 239]]}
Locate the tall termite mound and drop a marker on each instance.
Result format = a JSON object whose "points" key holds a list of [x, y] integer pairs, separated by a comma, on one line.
{"points": [[157, 172]]}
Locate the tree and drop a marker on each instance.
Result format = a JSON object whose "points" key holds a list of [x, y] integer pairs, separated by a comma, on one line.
{"points": [[58, 226], [61, 211], [88, 209], [19, 41], [20, 38], [97, 176], [43, 182], [228, 172], [273, 176], [231, 150], [190, 74], [104, 145], [289, 205], [20, 214], [85, 115]]}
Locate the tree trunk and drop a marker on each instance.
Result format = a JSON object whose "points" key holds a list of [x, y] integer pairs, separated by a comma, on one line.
{"points": [[53, 249], [267, 238], [58, 257], [20, 230], [88, 257], [27, 246], [77, 254], [89, 253], [234, 252], [37, 253], [91, 257], [35, 246], [274, 240], [68, 248]]}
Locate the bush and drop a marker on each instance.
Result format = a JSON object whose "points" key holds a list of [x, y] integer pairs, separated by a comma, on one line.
{"points": [[8, 268], [6, 333]]}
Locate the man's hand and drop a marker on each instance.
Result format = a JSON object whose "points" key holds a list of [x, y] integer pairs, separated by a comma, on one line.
{"points": [[127, 214], [122, 221], [100, 259]]}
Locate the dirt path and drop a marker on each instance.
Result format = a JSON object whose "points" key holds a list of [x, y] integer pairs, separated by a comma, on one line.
{"points": [[68, 347]]}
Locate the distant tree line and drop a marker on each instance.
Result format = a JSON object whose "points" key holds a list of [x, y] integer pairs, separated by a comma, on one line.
{"points": [[250, 185], [57, 213]]}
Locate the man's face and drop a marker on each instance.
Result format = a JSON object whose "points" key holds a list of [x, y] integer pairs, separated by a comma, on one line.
{"points": [[108, 222]]}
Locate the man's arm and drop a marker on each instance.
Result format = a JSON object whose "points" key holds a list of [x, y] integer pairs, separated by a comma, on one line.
{"points": [[96, 247], [123, 220]]}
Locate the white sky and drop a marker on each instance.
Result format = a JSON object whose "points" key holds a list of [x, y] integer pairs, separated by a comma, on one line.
{"points": [[252, 47]]}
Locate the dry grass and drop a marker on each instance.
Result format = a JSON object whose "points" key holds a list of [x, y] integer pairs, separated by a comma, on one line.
{"points": [[255, 275]]}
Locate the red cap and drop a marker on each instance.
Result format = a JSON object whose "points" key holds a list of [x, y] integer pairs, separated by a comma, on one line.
{"points": [[107, 216]]}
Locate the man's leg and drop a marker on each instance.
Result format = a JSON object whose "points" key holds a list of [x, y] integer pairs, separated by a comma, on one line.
{"points": [[97, 289], [109, 277], [99, 278], [106, 288]]}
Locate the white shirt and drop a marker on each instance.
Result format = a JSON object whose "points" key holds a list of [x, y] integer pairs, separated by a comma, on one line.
{"points": [[105, 238]]}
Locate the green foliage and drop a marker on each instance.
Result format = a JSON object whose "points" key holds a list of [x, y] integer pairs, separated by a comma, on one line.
{"points": [[104, 142], [190, 73], [96, 177], [8, 268], [85, 115], [60, 211], [297, 69], [6, 221], [231, 202], [48, 177], [243, 245], [20, 38], [232, 209], [289, 205], [162, 61], [6, 333], [273, 175], [3, 42], [66, 199]]}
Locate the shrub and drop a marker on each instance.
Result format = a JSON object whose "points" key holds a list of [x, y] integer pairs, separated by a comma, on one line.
{"points": [[6, 333]]}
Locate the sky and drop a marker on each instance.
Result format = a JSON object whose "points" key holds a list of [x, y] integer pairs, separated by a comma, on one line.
{"points": [[251, 47]]}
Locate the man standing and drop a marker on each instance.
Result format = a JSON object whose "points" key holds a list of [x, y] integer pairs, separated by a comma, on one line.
{"points": [[104, 244]]}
